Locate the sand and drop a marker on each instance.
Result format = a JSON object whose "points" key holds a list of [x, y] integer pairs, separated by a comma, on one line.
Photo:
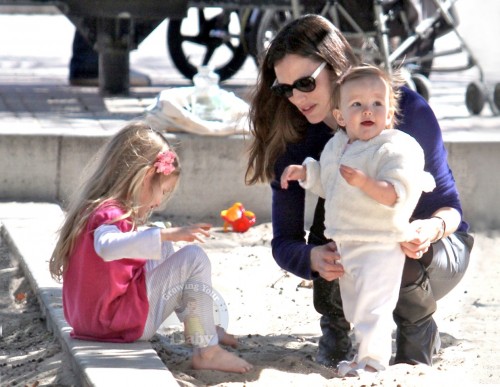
{"points": [[271, 313]]}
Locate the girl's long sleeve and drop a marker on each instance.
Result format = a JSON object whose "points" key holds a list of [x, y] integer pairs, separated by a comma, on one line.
{"points": [[111, 244]]}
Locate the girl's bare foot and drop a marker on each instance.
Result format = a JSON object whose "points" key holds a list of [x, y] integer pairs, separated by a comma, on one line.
{"points": [[226, 338], [216, 358]]}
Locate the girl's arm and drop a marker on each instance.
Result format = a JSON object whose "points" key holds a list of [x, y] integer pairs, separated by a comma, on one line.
{"points": [[110, 243], [189, 233]]}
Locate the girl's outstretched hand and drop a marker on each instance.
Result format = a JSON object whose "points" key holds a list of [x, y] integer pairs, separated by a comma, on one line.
{"points": [[189, 233]]}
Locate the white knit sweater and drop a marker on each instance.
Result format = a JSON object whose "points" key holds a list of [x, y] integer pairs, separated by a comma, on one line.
{"points": [[350, 214]]}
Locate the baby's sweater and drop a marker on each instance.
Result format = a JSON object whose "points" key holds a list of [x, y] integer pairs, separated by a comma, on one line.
{"points": [[350, 214]]}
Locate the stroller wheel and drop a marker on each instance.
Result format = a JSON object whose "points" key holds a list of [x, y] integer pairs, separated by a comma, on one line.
{"points": [[422, 85], [496, 96], [475, 96], [207, 36]]}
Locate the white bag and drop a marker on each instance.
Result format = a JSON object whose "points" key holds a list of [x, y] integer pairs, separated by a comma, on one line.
{"points": [[171, 111]]}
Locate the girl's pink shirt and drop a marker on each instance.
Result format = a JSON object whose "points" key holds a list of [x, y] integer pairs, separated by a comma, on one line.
{"points": [[104, 301]]}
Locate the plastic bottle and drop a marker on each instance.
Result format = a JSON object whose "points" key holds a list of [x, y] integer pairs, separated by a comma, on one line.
{"points": [[205, 101]]}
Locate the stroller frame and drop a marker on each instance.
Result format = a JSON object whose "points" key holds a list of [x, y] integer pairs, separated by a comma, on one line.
{"points": [[388, 32], [442, 21]]}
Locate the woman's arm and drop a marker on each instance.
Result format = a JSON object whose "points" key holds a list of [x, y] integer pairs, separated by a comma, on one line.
{"points": [[442, 223], [419, 121], [290, 250], [289, 246]]}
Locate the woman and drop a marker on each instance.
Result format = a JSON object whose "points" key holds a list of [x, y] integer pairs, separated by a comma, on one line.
{"points": [[292, 119]]}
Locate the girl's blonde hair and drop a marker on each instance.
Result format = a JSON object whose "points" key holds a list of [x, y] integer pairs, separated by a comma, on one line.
{"points": [[121, 167]]}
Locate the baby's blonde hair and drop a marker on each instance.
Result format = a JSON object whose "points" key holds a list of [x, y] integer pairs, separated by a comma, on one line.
{"points": [[121, 166], [393, 82]]}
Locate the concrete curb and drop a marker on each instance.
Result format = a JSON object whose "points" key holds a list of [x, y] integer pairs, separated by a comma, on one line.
{"points": [[29, 229], [46, 167]]}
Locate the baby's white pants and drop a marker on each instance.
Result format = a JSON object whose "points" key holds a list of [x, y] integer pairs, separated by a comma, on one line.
{"points": [[370, 291]]}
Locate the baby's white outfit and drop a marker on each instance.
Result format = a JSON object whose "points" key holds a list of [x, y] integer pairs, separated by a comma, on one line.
{"points": [[368, 233]]}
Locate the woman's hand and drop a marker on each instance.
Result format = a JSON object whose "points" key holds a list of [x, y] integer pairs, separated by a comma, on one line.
{"points": [[325, 261], [423, 232], [419, 241], [189, 233]]}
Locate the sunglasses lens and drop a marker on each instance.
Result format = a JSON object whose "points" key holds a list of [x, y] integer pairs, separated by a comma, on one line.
{"points": [[282, 90], [306, 85]]}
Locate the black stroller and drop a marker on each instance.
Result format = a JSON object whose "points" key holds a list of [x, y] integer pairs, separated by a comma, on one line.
{"points": [[395, 33], [392, 33]]}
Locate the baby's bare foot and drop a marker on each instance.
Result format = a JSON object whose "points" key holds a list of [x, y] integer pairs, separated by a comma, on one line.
{"points": [[346, 368], [226, 338], [217, 358]]}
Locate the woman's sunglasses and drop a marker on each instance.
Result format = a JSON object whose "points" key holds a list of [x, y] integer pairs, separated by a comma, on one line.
{"points": [[306, 84]]}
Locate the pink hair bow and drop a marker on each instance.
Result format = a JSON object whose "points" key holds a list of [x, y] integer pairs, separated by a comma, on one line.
{"points": [[165, 162]]}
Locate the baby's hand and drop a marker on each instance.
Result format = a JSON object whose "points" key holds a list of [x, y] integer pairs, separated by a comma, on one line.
{"points": [[353, 176], [292, 173], [189, 233]]}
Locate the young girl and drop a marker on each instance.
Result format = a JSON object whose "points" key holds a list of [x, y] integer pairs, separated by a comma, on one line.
{"points": [[371, 177], [122, 279]]}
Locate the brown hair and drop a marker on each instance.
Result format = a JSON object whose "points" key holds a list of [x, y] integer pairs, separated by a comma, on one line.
{"points": [[119, 171], [275, 121]]}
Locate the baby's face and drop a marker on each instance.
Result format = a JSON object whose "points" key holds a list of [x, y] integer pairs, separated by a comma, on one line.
{"points": [[364, 108]]}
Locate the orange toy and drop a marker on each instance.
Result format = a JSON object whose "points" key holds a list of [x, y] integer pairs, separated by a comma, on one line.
{"points": [[239, 218]]}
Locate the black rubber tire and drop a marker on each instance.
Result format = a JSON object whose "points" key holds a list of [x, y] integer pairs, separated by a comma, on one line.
{"points": [[213, 34], [425, 49], [265, 26], [250, 20], [496, 96], [422, 85], [475, 97]]}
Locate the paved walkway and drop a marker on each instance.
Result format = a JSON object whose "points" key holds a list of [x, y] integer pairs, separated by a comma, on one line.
{"points": [[35, 95]]}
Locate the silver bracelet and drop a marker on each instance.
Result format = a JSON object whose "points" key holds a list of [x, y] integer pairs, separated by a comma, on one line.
{"points": [[440, 235]]}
